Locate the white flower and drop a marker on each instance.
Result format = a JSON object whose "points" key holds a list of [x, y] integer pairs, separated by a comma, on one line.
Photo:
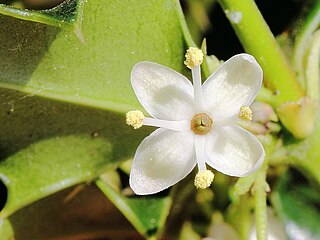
{"points": [[197, 124]]}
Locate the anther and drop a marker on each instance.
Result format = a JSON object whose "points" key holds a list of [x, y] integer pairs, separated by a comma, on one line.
{"points": [[203, 179], [194, 57], [134, 118], [245, 113]]}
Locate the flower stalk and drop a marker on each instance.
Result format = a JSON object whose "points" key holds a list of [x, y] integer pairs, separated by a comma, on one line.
{"points": [[260, 188], [258, 40]]}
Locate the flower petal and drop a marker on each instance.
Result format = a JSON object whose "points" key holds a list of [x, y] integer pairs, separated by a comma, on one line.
{"points": [[162, 159], [235, 84], [163, 92], [234, 151]]}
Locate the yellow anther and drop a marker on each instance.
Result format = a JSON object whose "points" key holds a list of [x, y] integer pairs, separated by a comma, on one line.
{"points": [[194, 57], [203, 179], [134, 118], [245, 113]]}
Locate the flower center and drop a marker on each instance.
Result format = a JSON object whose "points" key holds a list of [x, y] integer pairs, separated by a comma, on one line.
{"points": [[201, 124]]}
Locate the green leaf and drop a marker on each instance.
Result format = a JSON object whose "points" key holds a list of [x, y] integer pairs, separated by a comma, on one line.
{"points": [[62, 15], [43, 140], [71, 144], [54, 63], [296, 203], [6, 231], [147, 214]]}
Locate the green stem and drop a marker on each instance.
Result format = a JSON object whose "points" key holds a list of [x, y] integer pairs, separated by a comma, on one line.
{"points": [[261, 203], [241, 217], [257, 39]]}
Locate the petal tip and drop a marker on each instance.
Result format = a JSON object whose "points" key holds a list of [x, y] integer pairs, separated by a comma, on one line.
{"points": [[249, 58], [136, 188], [143, 190], [252, 60]]}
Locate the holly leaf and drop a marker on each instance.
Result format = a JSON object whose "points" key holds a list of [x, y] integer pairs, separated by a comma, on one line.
{"points": [[63, 93], [63, 15], [146, 213]]}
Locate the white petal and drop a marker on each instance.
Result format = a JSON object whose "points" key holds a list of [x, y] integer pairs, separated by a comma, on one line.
{"points": [[234, 151], [162, 159], [235, 84], [163, 92]]}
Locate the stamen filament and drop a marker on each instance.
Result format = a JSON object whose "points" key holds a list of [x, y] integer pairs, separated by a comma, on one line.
{"points": [[197, 88], [199, 142], [172, 125]]}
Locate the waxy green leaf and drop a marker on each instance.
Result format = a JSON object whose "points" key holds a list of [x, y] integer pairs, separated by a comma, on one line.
{"points": [[63, 15], [95, 69], [48, 145], [146, 213]]}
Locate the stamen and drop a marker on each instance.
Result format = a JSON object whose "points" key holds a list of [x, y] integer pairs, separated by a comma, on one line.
{"points": [[194, 57], [172, 125], [197, 89], [134, 118], [245, 113], [203, 179], [199, 142]]}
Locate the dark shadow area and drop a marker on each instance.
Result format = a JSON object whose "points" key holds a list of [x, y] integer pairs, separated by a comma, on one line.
{"points": [[223, 42], [80, 212], [221, 39], [7, 2], [279, 15], [182, 206], [23, 45], [3, 194], [41, 4]]}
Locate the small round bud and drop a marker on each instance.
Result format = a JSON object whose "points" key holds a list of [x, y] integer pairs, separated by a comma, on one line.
{"points": [[203, 179], [245, 113], [194, 57], [134, 118]]}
